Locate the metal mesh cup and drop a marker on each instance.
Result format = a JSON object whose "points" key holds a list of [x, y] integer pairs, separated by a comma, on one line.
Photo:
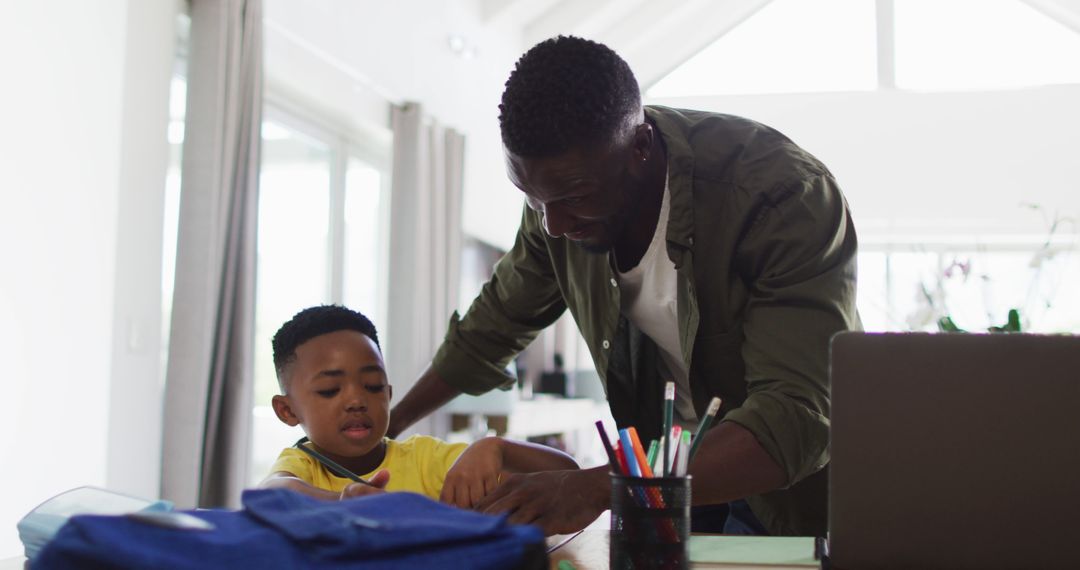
{"points": [[650, 522]]}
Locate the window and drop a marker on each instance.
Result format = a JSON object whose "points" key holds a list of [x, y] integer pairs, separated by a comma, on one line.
{"points": [[292, 263], [792, 46], [365, 231], [788, 46], [981, 44], [910, 288], [320, 240], [171, 218]]}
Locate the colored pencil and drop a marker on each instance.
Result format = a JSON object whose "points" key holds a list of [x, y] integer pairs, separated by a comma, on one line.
{"points": [[650, 456], [630, 453], [612, 460], [676, 436], [710, 415], [682, 459], [669, 418]]}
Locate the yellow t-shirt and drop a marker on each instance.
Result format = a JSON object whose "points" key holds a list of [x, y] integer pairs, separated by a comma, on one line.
{"points": [[418, 464]]}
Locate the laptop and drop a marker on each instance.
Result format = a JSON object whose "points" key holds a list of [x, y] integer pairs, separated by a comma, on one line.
{"points": [[955, 451]]}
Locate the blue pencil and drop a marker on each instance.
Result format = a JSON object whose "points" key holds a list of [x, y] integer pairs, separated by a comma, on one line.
{"points": [[628, 447]]}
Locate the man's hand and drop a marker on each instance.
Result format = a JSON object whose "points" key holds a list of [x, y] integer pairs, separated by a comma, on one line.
{"points": [[559, 502], [475, 474], [378, 485]]}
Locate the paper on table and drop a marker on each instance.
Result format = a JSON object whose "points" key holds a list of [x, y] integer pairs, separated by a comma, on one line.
{"points": [[771, 550]]}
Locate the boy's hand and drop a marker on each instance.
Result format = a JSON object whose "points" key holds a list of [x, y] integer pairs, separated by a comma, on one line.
{"points": [[475, 474], [378, 485]]}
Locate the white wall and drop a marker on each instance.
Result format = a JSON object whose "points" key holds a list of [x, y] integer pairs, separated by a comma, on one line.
{"points": [[63, 161], [135, 407], [354, 57], [934, 163]]}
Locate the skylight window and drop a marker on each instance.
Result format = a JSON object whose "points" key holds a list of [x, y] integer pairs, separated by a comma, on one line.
{"points": [[789, 46], [795, 46], [981, 44]]}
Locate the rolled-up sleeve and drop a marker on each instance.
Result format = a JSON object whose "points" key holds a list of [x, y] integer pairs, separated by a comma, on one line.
{"points": [[798, 259], [521, 299]]}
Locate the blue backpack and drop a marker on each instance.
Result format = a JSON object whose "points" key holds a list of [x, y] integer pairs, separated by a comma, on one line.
{"points": [[278, 528]]}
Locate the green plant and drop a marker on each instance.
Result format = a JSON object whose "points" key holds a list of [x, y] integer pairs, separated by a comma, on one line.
{"points": [[1012, 324]]}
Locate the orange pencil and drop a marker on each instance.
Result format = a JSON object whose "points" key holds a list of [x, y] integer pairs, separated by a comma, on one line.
{"points": [[639, 453]]}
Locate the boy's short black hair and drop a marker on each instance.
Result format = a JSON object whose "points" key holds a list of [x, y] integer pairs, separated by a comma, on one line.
{"points": [[564, 92], [313, 322]]}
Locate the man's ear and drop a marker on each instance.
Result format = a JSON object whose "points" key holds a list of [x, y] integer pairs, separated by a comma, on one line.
{"points": [[284, 411], [642, 141]]}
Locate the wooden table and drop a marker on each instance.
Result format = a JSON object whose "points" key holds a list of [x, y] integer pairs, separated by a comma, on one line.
{"points": [[586, 550]]}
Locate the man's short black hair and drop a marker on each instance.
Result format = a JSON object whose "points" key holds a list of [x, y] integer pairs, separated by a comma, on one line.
{"points": [[566, 91], [313, 322]]}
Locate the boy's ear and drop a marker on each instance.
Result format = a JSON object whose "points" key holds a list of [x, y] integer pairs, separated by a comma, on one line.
{"points": [[284, 410]]}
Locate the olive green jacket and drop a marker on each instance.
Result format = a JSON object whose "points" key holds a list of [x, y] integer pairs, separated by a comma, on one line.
{"points": [[764, 250]]}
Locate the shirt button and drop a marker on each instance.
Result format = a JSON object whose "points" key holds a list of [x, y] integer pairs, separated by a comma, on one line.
{"points": [[614, 283], [691, 240], [606, 345]]}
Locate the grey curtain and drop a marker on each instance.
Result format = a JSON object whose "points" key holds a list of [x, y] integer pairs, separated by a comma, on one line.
{"points": [[426, 241], [207, 414]]}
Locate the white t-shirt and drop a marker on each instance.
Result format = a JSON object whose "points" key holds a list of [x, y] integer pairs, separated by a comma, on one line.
{"points": [[648, 298]]}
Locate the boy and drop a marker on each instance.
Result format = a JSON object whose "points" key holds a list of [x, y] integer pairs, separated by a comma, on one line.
{"points": [[333, 381]]}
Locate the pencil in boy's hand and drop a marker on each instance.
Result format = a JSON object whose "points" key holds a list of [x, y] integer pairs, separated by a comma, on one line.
{"points": [[330, 464], [669, 418], [710, 415], [612, 460]]}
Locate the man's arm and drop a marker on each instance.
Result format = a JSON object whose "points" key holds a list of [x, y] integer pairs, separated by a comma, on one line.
{"points": [[799, 255], [521, 299], [428, 394], [730, 464], [559, 502]]}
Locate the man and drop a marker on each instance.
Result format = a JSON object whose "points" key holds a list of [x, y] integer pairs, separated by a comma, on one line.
{"points": [[698, 247]]}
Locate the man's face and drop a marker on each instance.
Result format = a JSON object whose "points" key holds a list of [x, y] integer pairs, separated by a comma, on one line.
{"points": [[587, 194], [338, 390]]}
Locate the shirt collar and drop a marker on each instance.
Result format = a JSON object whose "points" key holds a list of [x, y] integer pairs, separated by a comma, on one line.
{"points": [[680, 167]]}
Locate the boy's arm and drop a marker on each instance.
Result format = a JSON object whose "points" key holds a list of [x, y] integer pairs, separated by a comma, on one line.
{"points": [[478, 470], [525, 457], [286, 480]]}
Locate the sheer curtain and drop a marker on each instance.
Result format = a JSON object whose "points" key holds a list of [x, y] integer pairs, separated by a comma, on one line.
{"points": [[207, 413], [425, 243]]}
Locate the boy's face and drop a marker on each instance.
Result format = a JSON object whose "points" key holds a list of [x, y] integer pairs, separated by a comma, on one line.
{"points": [[337, 389]]}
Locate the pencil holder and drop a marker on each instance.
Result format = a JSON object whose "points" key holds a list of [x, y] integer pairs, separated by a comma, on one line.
{"points": [[650, 522]]}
